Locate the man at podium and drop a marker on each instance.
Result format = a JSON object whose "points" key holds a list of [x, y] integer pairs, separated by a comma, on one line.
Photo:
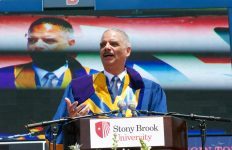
{"points": [[107, 90]]}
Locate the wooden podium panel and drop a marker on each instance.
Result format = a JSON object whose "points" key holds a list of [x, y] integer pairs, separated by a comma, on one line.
{"points": [[174, 131]]}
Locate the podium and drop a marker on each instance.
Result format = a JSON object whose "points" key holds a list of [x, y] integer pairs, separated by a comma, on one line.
{"points": [[157, 132]]}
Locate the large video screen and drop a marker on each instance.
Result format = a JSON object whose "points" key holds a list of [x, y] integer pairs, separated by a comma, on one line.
{"points": [[189, 56], [169, 46]]}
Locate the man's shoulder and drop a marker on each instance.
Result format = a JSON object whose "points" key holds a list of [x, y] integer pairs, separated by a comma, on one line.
{"points": [[82, 80], [82, 87], [150, 84], [78, 70], [9, 75], [25, 65]]}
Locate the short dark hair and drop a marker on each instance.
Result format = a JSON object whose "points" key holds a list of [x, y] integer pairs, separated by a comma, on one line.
{"points": [[54, 21]]}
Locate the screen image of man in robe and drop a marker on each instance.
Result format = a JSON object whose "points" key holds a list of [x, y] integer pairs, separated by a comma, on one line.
{"points": [[48, 41]]}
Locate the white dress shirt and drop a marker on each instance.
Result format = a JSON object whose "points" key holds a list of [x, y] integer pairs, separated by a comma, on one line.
{"points": [[120, 76], [41, 73]]}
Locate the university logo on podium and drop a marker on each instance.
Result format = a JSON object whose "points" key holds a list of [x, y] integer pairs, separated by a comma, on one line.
{"points": [[72, 2], [102, 129]]}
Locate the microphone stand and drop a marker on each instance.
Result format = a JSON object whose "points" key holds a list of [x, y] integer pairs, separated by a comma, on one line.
{"points": [[200, 118], [54, 131], [202, 123], [54, 123], [202, 126]]}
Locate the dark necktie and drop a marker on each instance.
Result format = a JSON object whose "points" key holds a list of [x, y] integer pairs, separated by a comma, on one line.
{"points": [[49, 80], [114, 86]]}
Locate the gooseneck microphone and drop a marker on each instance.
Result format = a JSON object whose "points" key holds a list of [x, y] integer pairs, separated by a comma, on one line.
{"points": [[132, 107], [69, 119], [122, 107]]}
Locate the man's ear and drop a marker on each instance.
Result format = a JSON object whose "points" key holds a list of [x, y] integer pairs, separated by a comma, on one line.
{"points": [[71, 42], [128, 50]]}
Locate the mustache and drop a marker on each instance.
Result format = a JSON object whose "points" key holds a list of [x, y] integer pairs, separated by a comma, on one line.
{"points": [[107, 53]]}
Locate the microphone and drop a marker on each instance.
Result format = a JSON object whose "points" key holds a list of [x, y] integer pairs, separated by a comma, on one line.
{"points": [[68, 119], [132, 107], [122, 107], [103, 114]]}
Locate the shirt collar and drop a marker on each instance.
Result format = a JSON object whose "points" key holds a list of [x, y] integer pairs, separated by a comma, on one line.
{"points": [[41, 72], [110, 76]]}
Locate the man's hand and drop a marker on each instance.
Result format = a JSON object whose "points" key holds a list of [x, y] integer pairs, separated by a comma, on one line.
{"points": [[74, 110]]}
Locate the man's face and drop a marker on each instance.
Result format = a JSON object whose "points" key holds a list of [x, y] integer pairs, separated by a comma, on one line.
{"points": [[113, 50], [48, 37]]}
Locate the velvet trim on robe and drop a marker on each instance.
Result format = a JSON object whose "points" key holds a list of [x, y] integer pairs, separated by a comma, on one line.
{"points": [[23, 76], [94, 91]]}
